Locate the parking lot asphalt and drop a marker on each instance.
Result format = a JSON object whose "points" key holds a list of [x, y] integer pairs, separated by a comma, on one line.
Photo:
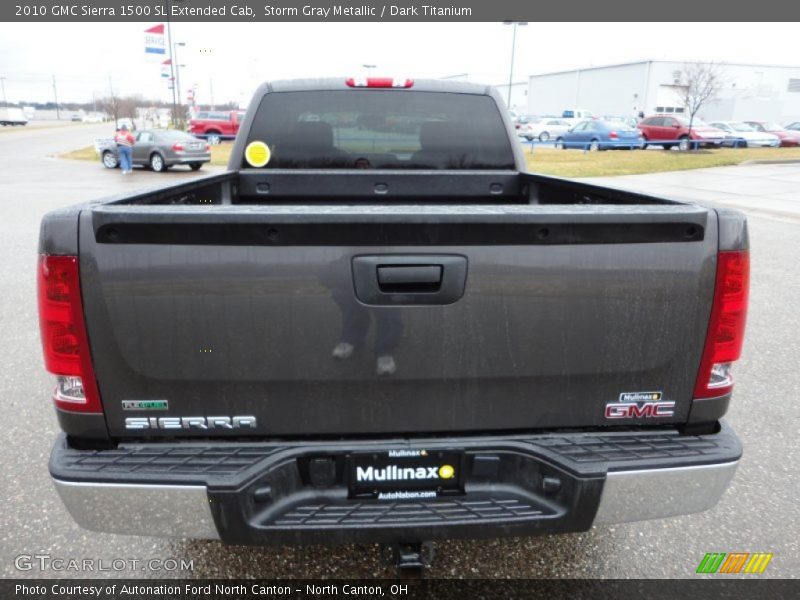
{"points": [[758, 513], [769, 190]]}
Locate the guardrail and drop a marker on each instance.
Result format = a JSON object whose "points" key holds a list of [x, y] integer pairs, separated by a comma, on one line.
{"points": [[634, 145]]}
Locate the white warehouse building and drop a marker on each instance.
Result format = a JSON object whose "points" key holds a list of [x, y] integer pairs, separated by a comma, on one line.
{"points": [[749, 92], [518, 89]]}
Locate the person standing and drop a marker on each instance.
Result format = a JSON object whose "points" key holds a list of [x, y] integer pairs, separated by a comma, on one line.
{"points": [[124, 141]]}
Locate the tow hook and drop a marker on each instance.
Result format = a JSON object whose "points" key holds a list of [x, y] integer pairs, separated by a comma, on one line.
{"points": [[410, 558]]}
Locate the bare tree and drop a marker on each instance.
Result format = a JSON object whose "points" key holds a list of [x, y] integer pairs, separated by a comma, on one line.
{"points": [[111, 106], [128, 107], [700, 83]]}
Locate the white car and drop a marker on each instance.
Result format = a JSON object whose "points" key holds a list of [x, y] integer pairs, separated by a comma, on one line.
{"points": [[93, 118], [544, 129], [739, 132], [127, 122]]}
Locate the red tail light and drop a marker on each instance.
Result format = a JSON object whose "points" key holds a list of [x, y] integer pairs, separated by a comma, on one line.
{"points": [[613, 135], [208, 147], [379, 82], [177, 146], [64, 339], [726, 326]]}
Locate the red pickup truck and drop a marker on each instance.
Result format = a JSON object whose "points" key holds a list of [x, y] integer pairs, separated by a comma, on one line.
{"points": [[216, 126]]}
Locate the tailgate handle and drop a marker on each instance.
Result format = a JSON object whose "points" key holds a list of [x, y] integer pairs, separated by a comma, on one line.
{"points": [[409, 278], [387, 279]]}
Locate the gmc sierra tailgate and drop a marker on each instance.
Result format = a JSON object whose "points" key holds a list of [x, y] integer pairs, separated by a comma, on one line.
{"points": [[493, 318]]}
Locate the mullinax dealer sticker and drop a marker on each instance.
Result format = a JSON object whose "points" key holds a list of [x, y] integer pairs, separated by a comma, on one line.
{"points": [[640, 396], [637, 405], [257, 154]]}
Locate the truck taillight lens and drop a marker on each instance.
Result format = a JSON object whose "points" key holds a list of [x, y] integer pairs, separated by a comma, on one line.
{"points": [[64, 339], [726, 325]]}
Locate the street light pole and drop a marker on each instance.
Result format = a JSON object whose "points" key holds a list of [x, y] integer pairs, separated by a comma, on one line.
{"points": [[178, 74], [368, 70], [172, 72], [3, 84], [513, 49]]}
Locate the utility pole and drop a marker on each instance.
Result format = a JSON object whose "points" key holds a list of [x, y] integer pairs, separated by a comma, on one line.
{"points": [[513, 49], [114, 107], [55, 93], [211, 91], [3, 84]]}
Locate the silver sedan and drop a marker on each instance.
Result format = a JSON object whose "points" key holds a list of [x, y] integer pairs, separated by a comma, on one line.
{"points": [[544, 129], [743, 135], [160, 149]]}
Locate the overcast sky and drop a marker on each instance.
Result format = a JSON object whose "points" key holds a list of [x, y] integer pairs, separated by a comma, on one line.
{"points": [[83, 56]]}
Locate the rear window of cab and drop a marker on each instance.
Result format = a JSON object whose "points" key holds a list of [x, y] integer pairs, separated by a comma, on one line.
{"points": [[213, 116], [381, 129]]}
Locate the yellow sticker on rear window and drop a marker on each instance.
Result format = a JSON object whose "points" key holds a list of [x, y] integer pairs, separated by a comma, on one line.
{"points": [[257, 154]]}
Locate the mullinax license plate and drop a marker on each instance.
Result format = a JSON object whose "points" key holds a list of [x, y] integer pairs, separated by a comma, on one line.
{"points": [[406, 474]]}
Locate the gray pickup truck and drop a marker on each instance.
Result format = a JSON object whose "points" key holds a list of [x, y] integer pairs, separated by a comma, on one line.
{"points": [[376, 326]]}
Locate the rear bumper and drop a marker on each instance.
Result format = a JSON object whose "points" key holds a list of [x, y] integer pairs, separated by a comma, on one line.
{"points": [[222, 136], [297, 493], [742, 143], [622, 144], [185, 160], [708, 142]]}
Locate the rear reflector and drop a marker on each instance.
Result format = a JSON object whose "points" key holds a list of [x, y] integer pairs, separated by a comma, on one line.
{"points": [[726, 325], [379, 82], [63, 331]]}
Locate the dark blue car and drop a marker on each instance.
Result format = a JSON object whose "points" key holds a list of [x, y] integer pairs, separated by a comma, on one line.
{"points": [[601, 135]]}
